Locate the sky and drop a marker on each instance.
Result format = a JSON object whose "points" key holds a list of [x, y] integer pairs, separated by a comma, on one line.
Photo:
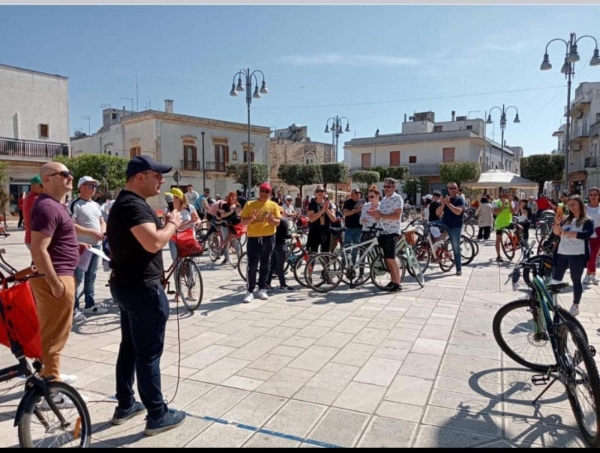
{"points": [[371, 64]]}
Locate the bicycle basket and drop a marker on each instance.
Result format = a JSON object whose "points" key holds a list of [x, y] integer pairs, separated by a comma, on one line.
{"points": [[238, 230], [187, 245], [20, 320], [411, 236]]}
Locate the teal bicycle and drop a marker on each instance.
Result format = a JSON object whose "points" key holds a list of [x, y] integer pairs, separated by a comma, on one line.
{"points": [[539, 334]]}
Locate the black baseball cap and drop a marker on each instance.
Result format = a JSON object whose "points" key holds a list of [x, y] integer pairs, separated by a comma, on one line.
{"points": [[566, 193], [144, 163]]}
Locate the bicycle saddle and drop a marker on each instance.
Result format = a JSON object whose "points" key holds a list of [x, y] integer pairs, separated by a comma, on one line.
{"points": [[337, 230]]}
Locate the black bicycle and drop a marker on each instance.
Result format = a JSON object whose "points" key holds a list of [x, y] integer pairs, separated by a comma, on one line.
{"points": [[51, 414]]}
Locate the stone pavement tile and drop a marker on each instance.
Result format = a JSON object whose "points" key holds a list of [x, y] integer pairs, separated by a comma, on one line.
{"points": [[487, 389], [220, 370], [282, 332], [450, 310], [308, 316], [472, 373], [187, 393], [175, 370], [316, 395], [523, 432], [221, 436], [402, 333], [217, 401], [255, 374], [471, 403], [299, 342], [409, 390], [287, 351], [269, 323], [200, 342], [436, 320], [419, 365], [244, 383], [429, 347], [354, 354], [100, 356], [367, 312], [339, 427], [70, 365], [436, 332], [193, 331], [388, 433], [474, 351], [394, 350], [285, 383], [311, 331], [324, 323], [434, 437], [243, 336], [176, 438], [414, 322], [360, 397], [255, 410], [352, 326], [482, 344], [549, 415], [335, 339], [419, 312], [271, 362], [371, 336], [485, 424], [206, 356], [94, 373], [256, 348], [391, 313], [382, 323], [314, 358], [333, 377], [296, 418], [400, 411], [335, 315], [260, 440], [378, 371], [498, 444], [475, 362]]}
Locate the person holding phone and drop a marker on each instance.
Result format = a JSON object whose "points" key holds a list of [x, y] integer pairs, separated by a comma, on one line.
{"points": [[352, 210], [451, 210], [503, 213]]}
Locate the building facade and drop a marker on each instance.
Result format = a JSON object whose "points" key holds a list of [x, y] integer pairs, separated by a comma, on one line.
{"points": [[199, 148], [424, 143], [293, 146], [34, 124]]}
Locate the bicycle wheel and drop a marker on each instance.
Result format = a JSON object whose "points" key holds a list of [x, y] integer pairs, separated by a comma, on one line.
{"points": [[380, 275], [299, 266], [235, 251], [469, 230], [189, 284], [523, 336], [214, 246], [40, 427], [243, 240], [414, 267], [200, 233], [323, 272], [582, 380], [445, 256], [423, 254], [242, 266], [507, 245]]}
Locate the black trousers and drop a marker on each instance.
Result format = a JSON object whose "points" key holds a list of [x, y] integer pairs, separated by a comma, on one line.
{"points": [[259, 251], [278, 264], [484, 233]]}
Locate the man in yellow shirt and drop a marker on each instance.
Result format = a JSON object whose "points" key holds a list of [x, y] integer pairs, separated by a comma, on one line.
{"points": [[262, 217]]}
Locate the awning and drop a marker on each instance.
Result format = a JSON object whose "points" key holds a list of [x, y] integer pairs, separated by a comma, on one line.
{"points": [[499, 178]]}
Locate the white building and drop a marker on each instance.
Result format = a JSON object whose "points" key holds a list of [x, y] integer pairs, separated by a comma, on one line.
{"points": [[424, 143], [34, 123], [177, 140]]}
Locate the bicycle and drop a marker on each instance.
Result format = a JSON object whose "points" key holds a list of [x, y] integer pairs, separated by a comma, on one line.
{"points": [[560, 350], [217, 247], [41, 421], [187, 276], [427, 249], [511, 242]]}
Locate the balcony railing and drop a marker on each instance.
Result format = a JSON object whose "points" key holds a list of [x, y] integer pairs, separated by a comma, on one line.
{"points": [[30, 148], [423, 169], [195, 165], [591, 162], [580, 131]]}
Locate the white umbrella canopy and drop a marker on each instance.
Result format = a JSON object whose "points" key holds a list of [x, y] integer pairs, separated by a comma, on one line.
{"points": [[500, 178]]}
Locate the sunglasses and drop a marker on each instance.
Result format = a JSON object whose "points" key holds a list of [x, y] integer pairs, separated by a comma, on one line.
{"points": [[371, 196], [65, 174], [265, 191], [452, 188], [93, 187], [388, 187], [319, 191]]}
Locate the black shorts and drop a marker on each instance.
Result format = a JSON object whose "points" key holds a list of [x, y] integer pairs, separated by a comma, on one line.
{"points": [[200, 214], [387, 242], [316, 240]]}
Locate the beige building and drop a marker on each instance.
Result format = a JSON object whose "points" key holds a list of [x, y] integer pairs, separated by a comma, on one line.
{"points": [[293, 146]]}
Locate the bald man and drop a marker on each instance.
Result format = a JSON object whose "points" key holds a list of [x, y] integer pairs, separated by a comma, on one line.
{"points": [[55, 253]]}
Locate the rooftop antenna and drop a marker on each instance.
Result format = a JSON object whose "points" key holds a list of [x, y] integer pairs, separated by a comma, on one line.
{"points": [[129, 99], [85, 117], [105, 106], [137, 96]]}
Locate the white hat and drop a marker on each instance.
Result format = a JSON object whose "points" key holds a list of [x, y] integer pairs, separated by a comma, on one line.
{"points": [[429, 197], [287, 197], [85, 179]]}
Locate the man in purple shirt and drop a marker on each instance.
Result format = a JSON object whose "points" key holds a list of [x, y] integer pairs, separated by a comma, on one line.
{"points": [[55, 253]]}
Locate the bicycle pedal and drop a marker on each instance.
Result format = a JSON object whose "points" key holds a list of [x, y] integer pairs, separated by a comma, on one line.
{"points": [[540, 379]]}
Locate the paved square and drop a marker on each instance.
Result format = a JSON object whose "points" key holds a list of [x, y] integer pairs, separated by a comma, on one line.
{"points": [[351, 368]]}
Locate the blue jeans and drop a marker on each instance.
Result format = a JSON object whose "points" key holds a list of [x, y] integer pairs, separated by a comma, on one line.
{"points": [[173, 249], [259, 250], [144, 314], [454, 234], [88, 278], [352, 237]]}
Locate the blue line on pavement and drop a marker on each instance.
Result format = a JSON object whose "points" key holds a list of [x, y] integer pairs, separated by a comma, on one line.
{"points": [[269, 432]]}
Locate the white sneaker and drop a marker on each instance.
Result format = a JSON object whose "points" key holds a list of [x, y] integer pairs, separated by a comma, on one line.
{"points": [[78, 316], [249, 298], [594, 280], [575, 310], [262, 294], [68, 378], [62, 402], [587, 279], [94, 310]]}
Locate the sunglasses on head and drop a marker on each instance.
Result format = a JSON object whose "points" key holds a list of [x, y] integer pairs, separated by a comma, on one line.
{"points": [[65, 174]]}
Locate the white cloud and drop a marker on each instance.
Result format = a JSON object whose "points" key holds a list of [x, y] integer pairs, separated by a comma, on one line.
{"points": [[349, 60], [517, 47]]}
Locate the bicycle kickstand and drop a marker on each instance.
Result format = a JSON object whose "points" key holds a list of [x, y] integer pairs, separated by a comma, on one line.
{"points": [[545, 390]]}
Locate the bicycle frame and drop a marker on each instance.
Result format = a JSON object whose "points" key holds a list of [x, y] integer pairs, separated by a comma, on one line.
{"points": [[347, 253]]}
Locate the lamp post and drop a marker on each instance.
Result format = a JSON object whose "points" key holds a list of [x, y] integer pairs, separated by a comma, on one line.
{"points": [[336, 130], [203, 165], [248, 77], [568, 69], [503, 111]]}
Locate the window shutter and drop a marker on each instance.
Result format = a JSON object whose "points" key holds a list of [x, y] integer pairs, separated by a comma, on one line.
{"points": [[226, 159]]}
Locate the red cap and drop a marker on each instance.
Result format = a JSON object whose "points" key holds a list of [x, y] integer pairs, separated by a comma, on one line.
{"points": [[267, 186]]}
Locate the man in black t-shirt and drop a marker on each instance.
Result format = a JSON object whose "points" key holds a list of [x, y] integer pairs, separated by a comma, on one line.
{"points": [[433, 207], [136, 239], [320, 217], [352, 209]]}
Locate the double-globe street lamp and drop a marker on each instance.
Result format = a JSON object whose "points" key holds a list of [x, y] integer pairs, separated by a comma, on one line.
{"points": [[503, 111], [568, 69], [248, 78], [336, 129]]}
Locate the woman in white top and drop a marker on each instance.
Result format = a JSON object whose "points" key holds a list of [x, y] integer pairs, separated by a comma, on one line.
{"points": [[485, 219], [573, 250], [188, 216], [593, 211], [367, 221]]}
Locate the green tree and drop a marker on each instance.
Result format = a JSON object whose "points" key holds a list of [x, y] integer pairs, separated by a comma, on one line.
{"points": [[300, 175], [540, 168], [459, 172], [398, 173], [4, 181], [411, 187], [109, 170], [260, 174], [336, 173], [365, 179]]}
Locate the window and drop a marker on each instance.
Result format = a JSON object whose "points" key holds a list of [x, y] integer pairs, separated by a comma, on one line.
{"points": [[365, 160], [310, 159], [114, 116], [190, 161], [222, 154], [135, 151], [395, 159], [234, 156], [44, 131], [247, 150], [437, 128], [448, 155], [412, 159], [470, 127]]}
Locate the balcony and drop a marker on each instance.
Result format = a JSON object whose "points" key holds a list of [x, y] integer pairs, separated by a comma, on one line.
{"points": [[591, 162], [191, 165], [423, 169], [217, 167], [196, 165], [32, 149]]}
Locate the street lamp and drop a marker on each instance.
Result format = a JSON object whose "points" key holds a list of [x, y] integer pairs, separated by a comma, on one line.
{"points": [[568, 69], [336, 130], [503, 111], [235, 89]]}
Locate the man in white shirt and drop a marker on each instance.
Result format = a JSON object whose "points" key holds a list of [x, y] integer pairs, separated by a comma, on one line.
{"points": [[191, 195]]}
